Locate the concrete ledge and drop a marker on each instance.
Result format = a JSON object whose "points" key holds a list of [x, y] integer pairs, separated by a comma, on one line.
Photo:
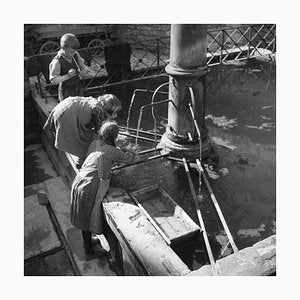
{"points": [[258, 260]]}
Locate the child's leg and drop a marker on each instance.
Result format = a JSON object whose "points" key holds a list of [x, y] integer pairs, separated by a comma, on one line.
{"points": [[114, 245], [87, 242]]}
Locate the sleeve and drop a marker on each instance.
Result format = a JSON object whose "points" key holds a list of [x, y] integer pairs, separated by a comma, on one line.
{"points": [[118, 155], [49, 124], [54, 69], [81, 61]]}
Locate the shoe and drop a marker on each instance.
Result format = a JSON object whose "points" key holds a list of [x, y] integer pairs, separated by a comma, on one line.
{"points": [[89, 251], [115, 267], [96, 254]]}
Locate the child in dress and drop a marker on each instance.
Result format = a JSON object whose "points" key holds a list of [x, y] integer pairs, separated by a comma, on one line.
{"points": [[92, 183]]}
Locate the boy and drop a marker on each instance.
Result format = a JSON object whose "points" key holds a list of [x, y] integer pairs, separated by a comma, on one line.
{"points": [[67, 68]]}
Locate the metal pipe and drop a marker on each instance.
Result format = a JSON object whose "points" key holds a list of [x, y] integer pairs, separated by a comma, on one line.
{"points": [[175, 159], [209, 251], [215, 202], [197, 129], [140, 131], [152, 108], [134, 136], [141, 161], [149, 151], [141, 113], [133, 98], [119, 83]]}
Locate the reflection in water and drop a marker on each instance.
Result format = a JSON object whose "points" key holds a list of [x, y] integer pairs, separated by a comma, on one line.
{"points": [[241, 119]]}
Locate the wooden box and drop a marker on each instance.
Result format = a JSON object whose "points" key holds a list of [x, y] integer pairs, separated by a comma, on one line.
{"points": [[165, 214]]}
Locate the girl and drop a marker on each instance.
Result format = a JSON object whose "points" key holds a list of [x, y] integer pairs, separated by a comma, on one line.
{"points": [[92, 183], [76, 120]]}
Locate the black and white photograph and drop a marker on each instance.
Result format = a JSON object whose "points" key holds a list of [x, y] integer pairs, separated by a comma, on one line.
{"points": [[150, 150]]}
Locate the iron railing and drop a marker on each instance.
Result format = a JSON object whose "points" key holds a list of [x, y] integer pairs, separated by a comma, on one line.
{"points": [[146, 59], [239, 43]]}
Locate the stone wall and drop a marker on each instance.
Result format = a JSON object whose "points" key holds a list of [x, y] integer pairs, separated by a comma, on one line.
{"points": [[145, 35], [141, 35]]}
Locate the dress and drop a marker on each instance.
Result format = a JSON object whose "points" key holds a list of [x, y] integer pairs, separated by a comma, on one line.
{"points": [[91, 184], [71, 121]]}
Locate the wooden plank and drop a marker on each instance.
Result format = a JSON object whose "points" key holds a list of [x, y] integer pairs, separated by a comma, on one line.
{"points": [[172, 221], [143, 241], [39, 233], [59, 197]]}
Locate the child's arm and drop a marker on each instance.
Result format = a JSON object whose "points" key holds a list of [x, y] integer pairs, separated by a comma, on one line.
{"points": [[54, 73], [123, 156], [84, 69]]}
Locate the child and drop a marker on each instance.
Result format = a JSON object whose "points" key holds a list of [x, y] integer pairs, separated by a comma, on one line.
{"points": [[92, 183], [67, 68], [76, 120]]}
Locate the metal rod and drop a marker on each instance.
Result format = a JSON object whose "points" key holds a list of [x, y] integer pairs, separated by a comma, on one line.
{"points": [[140, 131], [133, 98], [197, 129], [120, 82], [152, 108], [149, 151], [141, 161], [157, 55], [190, 136], [174, 159], [164, 236], [209, 251], [215, 202], [141, 114], [140, 137]]}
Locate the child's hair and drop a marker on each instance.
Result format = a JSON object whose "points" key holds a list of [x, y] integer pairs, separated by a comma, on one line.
{"points": [[108, 132], [69, 40], [110, 103]]}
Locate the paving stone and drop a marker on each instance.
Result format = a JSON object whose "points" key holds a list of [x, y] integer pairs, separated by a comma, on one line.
{"points": [[39, 233], [56, 264]]}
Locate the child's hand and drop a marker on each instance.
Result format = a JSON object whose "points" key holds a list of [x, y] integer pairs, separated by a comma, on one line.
{"points": [[133, 148], [71, 73]]}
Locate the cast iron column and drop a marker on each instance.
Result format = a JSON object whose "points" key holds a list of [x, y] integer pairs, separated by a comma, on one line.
{"points": [[187, 68]]}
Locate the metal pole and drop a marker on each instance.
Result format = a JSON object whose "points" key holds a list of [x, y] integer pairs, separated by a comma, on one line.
{"points": [[139, 137], [209, 251], [149, 151], [214, 200], [157, 54], [140, 131], [222, 45], [141, 161]]}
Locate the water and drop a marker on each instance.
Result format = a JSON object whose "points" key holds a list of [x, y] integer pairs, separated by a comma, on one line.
{"points": [[241, 119]]}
